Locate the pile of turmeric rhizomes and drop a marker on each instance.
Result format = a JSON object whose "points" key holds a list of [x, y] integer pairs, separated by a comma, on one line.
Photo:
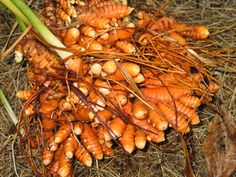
{"points": [[127, 82]]}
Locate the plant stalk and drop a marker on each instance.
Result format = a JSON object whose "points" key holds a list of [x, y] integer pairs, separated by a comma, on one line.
{"points": [[40, 27], [8, 108], [11, 6], [21, 23]]}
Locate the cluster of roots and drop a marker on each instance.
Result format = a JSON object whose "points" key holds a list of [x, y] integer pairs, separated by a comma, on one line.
{"points": [[126, 83]]}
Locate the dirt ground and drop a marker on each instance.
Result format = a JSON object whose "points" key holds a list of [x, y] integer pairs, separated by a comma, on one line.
{"points": [[157, 160]]}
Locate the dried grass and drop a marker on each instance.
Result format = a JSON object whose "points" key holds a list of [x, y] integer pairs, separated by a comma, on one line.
{"points": [[165, 159]]}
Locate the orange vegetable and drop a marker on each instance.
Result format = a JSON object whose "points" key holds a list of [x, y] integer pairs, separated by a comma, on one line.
{"points": [[88, 31], [196, 32], [117, 34], [71, 36], [24, 94], [47, 106], [93, 96], [66, 116], [43, 59], [83, 156], [127, 108], [94, 2], [124, 33], [125, 46], [84, 41], [70, 146], [190, 101], [143, 123], [84, 88], [74, 64], [78, 128], [178, 38], [48, 124], [165, 78], [96, 68], [95, 21], [83, 114], [109, 67], [105, 115], [47, 156], [107, 150], [155, 135], [95, 45], [117, 126], [164, 93], [162, 24], [68, 8], [118, 94], [145, 38], [34, 75], [65, 164], [113, 10], [190, 113], [54, 168], [178, 120], [152, 83], [63, 15], [30, 110], [139, 78], [100, 133], [139, 110], [63, 132], [52, 145], [91, 143], [103, 37], [140, 139], [168, 23], [127, 138], [65, 105], [157, 120], [131, 68], [79, 2]]}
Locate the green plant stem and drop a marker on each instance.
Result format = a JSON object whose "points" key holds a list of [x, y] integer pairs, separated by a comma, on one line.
{"points": [[11, 6], [21, 23], [40, 27], [8, 108]]}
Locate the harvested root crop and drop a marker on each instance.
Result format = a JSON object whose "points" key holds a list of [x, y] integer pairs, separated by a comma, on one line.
{"points": [[127, 86]]}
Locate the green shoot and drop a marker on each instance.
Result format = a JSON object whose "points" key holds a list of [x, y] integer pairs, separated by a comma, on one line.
{"points": [[2, 7], [8, 108], [21, 23], [40, 27], [21, 9], [14, 9]]}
